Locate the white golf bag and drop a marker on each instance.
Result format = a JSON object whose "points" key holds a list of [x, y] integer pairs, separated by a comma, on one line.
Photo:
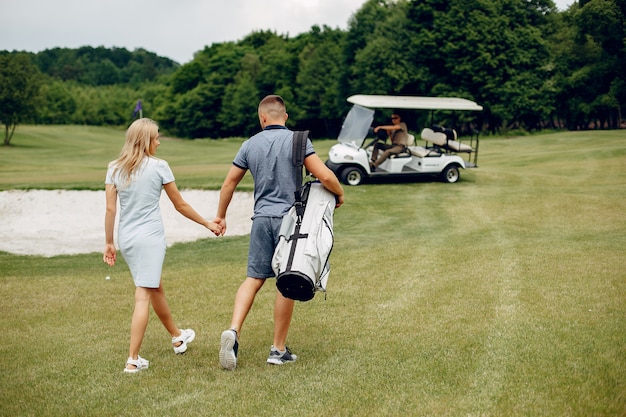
{"points": [[301, 259]]}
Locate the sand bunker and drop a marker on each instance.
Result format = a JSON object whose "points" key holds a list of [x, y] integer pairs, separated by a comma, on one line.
{"points": [[49, 223]]}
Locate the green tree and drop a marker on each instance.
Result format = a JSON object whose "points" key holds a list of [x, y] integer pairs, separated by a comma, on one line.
{"points": [[102, 66], [277, 59], [105, 105], [238, 115], [58, 104], [194, 114], [607, 77], [103, 72], [20, 82], [362, 25], [588, 54], [320, 102], [382, 65], [491, 51], [187, 77], [155, 98]]}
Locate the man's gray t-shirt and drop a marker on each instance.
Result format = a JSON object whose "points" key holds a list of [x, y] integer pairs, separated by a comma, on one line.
{"points": [[268, 157]]}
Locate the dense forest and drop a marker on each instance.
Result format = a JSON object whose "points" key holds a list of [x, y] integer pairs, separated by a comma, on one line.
{"points": [[529, 65]]}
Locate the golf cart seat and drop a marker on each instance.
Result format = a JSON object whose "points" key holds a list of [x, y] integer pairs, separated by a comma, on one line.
{"points": [[422, 151], [445, 138], [436, 138]]}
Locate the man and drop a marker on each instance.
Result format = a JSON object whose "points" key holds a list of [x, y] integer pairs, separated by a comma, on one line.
{"points": [[398, 133], [268, 156]]}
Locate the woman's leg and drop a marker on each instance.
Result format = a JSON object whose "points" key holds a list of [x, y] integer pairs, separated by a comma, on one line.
{"points": [[139, 320], [162, 310]]}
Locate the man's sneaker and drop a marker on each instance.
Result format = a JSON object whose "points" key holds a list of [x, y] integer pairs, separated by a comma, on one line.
{"points": [[278, 358], [228, 349], [186, 336]]}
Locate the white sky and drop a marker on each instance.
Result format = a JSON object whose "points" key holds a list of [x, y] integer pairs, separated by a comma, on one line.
{"points": [[172, 28]]}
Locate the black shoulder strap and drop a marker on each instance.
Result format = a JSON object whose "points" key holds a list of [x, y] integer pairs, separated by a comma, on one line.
{"points": [[299, 149]]}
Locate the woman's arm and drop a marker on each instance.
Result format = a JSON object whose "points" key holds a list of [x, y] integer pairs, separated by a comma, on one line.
{"points": [[110, 254], [186, 210]]}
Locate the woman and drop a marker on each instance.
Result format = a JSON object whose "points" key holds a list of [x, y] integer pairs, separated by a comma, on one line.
{"points": [[137, 177]]}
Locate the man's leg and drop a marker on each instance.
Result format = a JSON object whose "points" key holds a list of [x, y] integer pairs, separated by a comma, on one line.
{"points": [[375, 152], [244, 300], [283, 311], [390, 151], [378, 146], [229, 341]]}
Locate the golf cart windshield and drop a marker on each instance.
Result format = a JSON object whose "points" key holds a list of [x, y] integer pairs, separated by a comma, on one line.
{"points": [[356, 125]]}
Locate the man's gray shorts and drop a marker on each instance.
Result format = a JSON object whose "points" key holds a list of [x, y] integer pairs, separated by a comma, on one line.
{"points": [[263, 240]]}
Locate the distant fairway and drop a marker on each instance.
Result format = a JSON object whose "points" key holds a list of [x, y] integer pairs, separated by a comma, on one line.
{"points": [[501, 295]]}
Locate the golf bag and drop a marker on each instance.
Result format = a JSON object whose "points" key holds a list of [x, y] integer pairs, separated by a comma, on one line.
{"points": [[301, 258]]}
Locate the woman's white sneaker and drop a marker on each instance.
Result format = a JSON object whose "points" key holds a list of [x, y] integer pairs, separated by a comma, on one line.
{"points": [[139, 365], [186, 336]]}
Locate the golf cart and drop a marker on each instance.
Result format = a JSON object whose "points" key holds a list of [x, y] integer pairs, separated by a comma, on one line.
{"points": [[441, 154]]}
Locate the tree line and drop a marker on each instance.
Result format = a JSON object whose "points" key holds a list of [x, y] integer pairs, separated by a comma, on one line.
{"points": [[529, 65]]}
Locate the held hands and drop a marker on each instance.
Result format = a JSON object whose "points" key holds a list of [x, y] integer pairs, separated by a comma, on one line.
{"points": [[110, 255], [217, 228], [221, 222]]}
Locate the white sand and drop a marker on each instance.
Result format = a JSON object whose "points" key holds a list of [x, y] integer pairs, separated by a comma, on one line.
{"points": [[49, 223]]}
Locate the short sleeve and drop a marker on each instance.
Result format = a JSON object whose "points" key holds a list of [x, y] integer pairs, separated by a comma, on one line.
{"points": [[109, 176], [165, 172], [241, 159], [309, 148]]}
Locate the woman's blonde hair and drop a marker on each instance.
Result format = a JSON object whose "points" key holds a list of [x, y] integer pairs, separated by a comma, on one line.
{"points": [[137, 146]]}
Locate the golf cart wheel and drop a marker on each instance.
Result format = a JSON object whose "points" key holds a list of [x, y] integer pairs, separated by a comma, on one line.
{"points": [[352, 176], [451, 174]]}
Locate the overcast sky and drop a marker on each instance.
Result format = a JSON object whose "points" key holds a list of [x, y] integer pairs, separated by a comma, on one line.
{"points": [[172, 28]]}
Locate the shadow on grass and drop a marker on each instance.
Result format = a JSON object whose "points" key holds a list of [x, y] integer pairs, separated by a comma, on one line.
{"points": [[410, 179]]}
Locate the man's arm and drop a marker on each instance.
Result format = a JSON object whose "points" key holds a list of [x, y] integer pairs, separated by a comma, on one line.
{"points": [[315, 166], [387, 128], [234, 176]]}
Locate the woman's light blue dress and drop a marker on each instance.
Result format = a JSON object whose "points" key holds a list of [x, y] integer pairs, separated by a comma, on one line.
{"points": [[141, 235]]}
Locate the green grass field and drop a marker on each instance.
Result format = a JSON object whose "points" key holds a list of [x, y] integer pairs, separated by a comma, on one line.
{"points": [[501, 295]]}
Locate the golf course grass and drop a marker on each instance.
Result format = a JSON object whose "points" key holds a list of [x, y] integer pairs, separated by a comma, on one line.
{"points": [[501, 295]]}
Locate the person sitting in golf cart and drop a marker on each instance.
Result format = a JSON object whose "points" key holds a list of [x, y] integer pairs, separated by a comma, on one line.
{"points": [[398, 133]]}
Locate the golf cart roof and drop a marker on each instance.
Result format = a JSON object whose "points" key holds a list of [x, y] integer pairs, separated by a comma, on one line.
{"points": [[413, 102]]}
